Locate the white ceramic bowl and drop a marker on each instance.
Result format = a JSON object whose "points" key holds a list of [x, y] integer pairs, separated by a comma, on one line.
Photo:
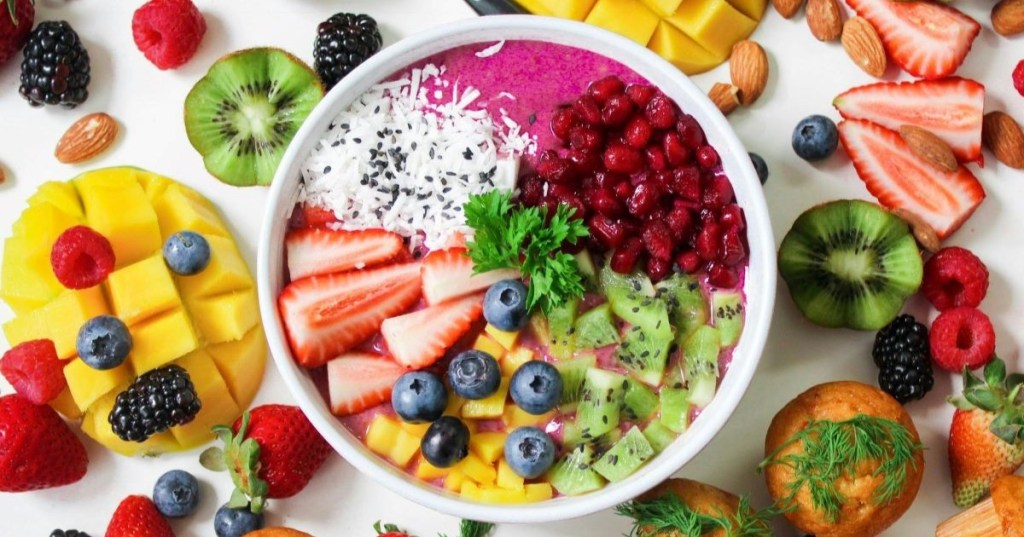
{"points": [[759, 285]]}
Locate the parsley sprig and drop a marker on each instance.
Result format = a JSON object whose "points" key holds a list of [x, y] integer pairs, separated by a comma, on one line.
{"points": [[668, 515], [523, 238]]}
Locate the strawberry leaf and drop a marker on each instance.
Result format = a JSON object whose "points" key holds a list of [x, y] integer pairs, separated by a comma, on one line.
{"points": [[1007, 427], [11, 10], [213, 459], [241, 456], [983, 399], [995, 373], [970, 381]]}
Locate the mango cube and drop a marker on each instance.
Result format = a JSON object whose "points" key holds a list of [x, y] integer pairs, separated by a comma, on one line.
{"points": [[218, 406], [629, 18], [455, 479], [22, 287], [26, 327], [489, 407], [117, 207], [177, 210], [96, 426], [751, 8], [682, 51], [226, 272], [87, 384], [162, 340], [225, 317], [713, 24], [515, 417], [416, 429], [488, 446], [61, 195], [65, 405], [454, 407], [142, 290], [566, 9], [486, 344], [538, 492], [508, 479], [153, 185], [429, 472], [470, 491], [506, 339], [478, 470], [42, 224], [241, 364], [387, 438], [67, 313], [663, 7], [511, 361]]}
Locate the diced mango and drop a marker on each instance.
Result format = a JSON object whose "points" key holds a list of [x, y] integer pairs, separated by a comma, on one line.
{"points": [[225, 317], [508, 479], [538, 492], [713, 24], [65, 405], [630, 18], [486, 344], [42, 224], [415, 429], [470, 491], [26, 327], [241, 364], [515, 417], [663, 7], [478, 470], [511, 361], [489, 407], [387, 438], [117, 207], [454, 480], [226, 272], [161, 340], [142, 290], [87, 384], [27, 281], [429, 472], [61, 195], [154, 185], [67, 313], [505, 339], [178, 211], [406, 447], [682, 51], [566, 9], [751, 8], [502, 496], [454, 407], [488, 446], [218, 406], [96, 426]]}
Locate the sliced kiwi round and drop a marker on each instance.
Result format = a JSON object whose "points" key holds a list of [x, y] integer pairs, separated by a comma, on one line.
{"points": [[241, 116], [850, 263]]}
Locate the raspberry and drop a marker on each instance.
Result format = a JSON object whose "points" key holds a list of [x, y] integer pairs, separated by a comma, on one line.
{"points": [[81, 258], [34, 370], [954, 277], [1018, 77], [962, 337], [168, 32]]}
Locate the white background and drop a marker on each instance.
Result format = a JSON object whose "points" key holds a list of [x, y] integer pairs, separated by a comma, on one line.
{"points": [[806, 75]]}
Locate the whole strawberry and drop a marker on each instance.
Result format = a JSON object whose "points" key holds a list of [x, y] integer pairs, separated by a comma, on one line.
{"points": [[16, 18], [37, 449], [136, 516], [389, 530], [986, 438]]}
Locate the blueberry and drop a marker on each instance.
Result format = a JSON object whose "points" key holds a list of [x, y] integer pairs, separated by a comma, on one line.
{"points": [[419, 397], [529, 452], [187, 253], [446, 442], [236, 522], [815, 138], [103, 342], [505, 305], [176, 494], [474, 374], [760, 166], [536, 387]]}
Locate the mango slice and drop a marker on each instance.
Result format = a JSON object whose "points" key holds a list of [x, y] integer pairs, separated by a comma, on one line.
{"points": [[630, 18]]}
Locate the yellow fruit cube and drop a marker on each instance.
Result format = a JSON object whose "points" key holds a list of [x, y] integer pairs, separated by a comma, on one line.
{"points": [[65, 405], [454, 480], [566, 9], [751, 8], [387, 438], [143, 290], [61, 195], [630, 18], [96, 426], [41, 225], [225, 317], [177, 210], [470, 491], [241, 364], [117, 207], [153, 185], [87, 384], [415, 429], [682, 51], [226, 272], [663, 7], [26, 327], [508, 479], [488, 407], [502, 496], [515, 417], [538, 492], [218, 406], [511, 361], [488, 446], [713, 24], [538, 325], [27, 282], [478, 470], [454, 407], [67, 313], [429, 472], [505, 339], [406, 447], [486, 344], [162, 340]]}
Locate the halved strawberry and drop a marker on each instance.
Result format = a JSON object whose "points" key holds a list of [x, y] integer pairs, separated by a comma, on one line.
{"points": [[418, 339], [327, 315], [926, 39], [951, 108], [901, 180], [314, 251], [360, 380], [313, 216], [448, 274]]}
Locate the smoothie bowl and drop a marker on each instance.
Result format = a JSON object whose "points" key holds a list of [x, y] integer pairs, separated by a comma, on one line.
{"points": [[511, 278]]}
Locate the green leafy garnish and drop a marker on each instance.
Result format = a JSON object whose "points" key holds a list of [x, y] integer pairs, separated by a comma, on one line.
{"points": [[472, 528], [833, 449], [668, 515], [508, 236], [997, 393], [241, 457]]}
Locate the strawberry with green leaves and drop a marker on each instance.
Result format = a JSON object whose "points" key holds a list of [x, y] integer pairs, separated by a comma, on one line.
{"points": [[136, 516], [16, 18], [986, 438]]}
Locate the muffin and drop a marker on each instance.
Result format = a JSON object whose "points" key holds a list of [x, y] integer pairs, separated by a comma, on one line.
{"points": [[277, 532], [705, 500], [850, 502], [1008, 498]]}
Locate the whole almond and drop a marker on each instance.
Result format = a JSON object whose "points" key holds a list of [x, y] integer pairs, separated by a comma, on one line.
{"points": [[86, 138], [1003, 136], [923, 232], [3, 176], [1008, 17], [748, 69], [929, 148], [725, 96], [787, 8], [862, 44], [825, 19]]}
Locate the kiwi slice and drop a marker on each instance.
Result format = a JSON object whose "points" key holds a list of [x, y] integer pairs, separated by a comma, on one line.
{"points": [[687, 306], [625, 457], [573, 475], [573, 372], [850, 263], [596, 328], [243, 114], [638, 402], [659, 436], [562, 328], [728, 313]]}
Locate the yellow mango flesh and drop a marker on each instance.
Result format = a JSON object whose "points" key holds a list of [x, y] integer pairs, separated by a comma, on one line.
{"points": [[489, 407], [241, 364], [96, 426], [66, 314], [61, 195], [506, 339], [629, 18], [161, 340], [515, 358], [713, 24], [386, 438], [26, 327], [143, 290], [508, 479], [566, 9], [226, 272], [663, 7], [488, 446], [226, 317], [178, 211], [478, 470], [681, 50], [117, 208], [487, 344], [218, 406], [87, 385]]}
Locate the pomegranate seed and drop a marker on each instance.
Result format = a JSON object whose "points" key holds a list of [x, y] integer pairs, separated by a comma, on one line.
{"points": [[574, 201], [641, 94], [661, 112], [563, 121], [688, 261], [532, 190], [643, 200], [548, 204], [718, 193], [588, 110], [732, 217], [623, 190], [657, 269], [686, 183], [608, 232], [680, 221], [690, 132], [708, 216], [676, 153], [555, 168], [638, 132], [617, 110], [709, 242], [663, 179], [658, 239], [707, 157], [561, 190], [655, 158], [605, 203], [585, 162], [608, 180], [626, 257], [722, 276], [605, 88], [657, 213], [586, 138], [622, 158], [733, 251]]}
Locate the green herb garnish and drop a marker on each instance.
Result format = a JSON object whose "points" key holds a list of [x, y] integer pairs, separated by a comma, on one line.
{"points": [[668, 515], [508, 236], [832, 449], [472, 528]]}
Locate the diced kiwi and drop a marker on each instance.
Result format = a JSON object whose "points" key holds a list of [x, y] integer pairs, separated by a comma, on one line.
{"points": [[727, 308], [659, 436], [573, 372], [585, 263], [645, 352], [675, 409], [242, 115], [596, 328], [571, 435], [573, 474], [598, 410], [686, 304], [562, 328], [628, 454], [606, 441], [700, 355], [850, 263], [625, 290], [639, 402]]}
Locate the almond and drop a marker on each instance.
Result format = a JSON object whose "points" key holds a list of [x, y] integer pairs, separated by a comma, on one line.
{"points": [[725, 96], [825, 19], [86, 138], [923, 232], [929, 148], [3, 176], [1003, 136], [748, 68], [1008, 17], [787, 8], [864, 47]]}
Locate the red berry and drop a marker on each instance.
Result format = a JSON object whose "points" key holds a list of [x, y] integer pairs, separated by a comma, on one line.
{"points": [[608, 232], [555, 168], [638, 132], [954, 277], [962, 337], [733, 251], [732, 217], [655, 158], [643, 200], [661, 112], [709, 242], [586, 138], [585, 162], [605, 202], [676, 153], [561, 190], [623, 190], [563, 121], [606, 88], [136, 516], [532, 190], [34, 370], [617, 110], [718, 193], [38, 449], [658, 239], [623, 158], [722, 276], [608, 180], [1018, 78], [686, 183], [690, 132], [707, 157], [81, 258], [688, 261], [168, 32], [641, 94], [588, 110], [680, 221], [574, 202], [627, 256], [657, 269]]}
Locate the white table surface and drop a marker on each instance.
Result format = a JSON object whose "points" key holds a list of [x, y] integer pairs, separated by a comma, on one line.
{"points": [[806, 75]]}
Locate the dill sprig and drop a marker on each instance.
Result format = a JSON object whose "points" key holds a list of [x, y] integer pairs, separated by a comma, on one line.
{"points": [[472, 528], [668, 515], [833, 449]]}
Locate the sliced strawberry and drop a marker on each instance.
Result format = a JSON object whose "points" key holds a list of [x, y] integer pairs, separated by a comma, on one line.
{"points": [[448, 274], [313, 216], [901, 180], [926, 39], [327, 315], [314, 251], [360, 380], [951, 108], [418, 339]]}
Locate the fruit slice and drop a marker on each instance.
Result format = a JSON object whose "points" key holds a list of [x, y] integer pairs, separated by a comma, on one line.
{"points": [[687, 307], [727, 308], [596, 328], [617, 287], [926, 39], [241, 116], [639, 402], [714, 24], [681, 50], [629, 18], [418, 339], [326, 315], [316, 251], [585, 264], [700, 356], [573, 373], [598, 410], [566, 9], [951, 108], [625, 457], [850, 263], [573, 475], [659, 436], [675, 409], [360, 380], [448, 274], [901, 180], [644, 351], [561, 329]]}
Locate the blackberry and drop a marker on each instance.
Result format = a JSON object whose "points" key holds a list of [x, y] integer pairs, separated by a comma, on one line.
{"points": [[904, 359], [56, 66], [344, 41], [156, 401], [68, 533]]}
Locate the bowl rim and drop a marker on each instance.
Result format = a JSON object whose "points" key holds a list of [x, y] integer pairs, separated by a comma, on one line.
{"points": [[488, 30]]}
